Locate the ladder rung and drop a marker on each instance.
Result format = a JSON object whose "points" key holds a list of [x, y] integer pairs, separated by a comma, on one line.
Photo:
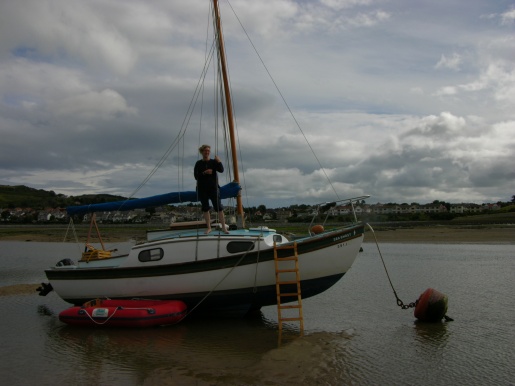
{"points": [[290, 294], [291, 246], [290, 307], [289, 319], [287, 270], [294, 305]]}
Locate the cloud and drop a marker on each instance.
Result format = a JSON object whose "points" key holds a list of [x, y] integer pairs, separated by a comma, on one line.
{"points": [[447, 90], [93, 94], [508, 17], [438, 156], [368, 19], [70, 30], [498, 80], [103, 105], [452, 63], [342, 4]]}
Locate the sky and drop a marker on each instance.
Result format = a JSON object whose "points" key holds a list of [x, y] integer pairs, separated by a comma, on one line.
{"points": [[405, 101]]}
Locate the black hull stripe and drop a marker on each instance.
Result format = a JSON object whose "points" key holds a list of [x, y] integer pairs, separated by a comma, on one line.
{"points": [[303, 247]]}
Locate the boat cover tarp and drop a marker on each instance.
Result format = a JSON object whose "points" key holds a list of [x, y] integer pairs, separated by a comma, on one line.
{"points": [[232, 189]]}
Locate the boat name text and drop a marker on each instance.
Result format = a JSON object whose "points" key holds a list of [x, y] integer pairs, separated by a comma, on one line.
{"points": [[341, 237]]}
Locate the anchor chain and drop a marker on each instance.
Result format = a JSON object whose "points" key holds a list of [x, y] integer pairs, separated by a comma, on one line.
{"points": [[400, 303]]}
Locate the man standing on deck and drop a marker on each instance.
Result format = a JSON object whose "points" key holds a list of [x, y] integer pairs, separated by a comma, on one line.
{"points": [[207, 185]]}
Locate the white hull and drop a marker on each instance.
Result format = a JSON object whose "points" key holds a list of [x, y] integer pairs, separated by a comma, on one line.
{"points": [[193, 267]]}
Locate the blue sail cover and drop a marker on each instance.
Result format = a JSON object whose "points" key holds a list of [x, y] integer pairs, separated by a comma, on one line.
{"points": [[232, 189]]}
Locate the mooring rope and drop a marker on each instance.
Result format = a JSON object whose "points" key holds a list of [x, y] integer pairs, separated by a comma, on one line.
{"points": [[254, 289], [105, 321], [220, 282]]}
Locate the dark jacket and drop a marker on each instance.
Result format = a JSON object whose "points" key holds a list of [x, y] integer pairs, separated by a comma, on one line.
{"points": [[207, 181]]}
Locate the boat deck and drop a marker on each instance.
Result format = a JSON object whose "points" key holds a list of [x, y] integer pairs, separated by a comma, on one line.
{"points": [[162, 234]]}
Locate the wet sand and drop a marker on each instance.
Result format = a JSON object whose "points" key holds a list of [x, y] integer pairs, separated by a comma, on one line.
{"points": [[19, 289], [444, 235], [60, 234]]}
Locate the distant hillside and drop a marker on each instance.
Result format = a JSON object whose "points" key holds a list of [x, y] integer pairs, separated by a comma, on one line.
{"points": [[21, 196], [504, 217]]}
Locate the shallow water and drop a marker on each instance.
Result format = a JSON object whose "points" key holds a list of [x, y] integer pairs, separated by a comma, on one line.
{"points": [[354, 333]]}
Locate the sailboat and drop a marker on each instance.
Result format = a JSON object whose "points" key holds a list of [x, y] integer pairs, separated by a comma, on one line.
{"points": [[217, 272]]}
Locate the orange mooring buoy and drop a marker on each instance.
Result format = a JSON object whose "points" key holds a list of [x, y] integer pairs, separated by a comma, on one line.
{"points": [[431, 306], [317, 229]]}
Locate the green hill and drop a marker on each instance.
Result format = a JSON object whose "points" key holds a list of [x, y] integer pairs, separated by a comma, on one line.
{"points": [[21, 196], [503, 217]]}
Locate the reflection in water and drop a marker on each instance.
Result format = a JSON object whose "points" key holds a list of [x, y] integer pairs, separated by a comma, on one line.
{"points": [[310, 359], [435, 334], [314, 358], [193, 347], [45, 310], [117, 353], [197, 351]]}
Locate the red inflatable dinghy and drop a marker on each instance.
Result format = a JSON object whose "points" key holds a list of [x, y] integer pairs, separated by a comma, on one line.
{"points": [[125, 313]]}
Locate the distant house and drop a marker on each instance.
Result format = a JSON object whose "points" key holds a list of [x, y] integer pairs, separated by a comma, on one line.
{"points": [[283, 215], [432, 208], [268, 216], [491, 206], [407, 208], [48, 214], [465, 208]]}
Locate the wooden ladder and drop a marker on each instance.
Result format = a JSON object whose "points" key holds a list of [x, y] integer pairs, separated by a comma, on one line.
{"points": [[286, 264]]}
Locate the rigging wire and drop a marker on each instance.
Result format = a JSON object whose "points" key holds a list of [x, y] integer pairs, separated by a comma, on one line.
{"points": [[199, 91], [239, 153], [184, 124], [218, 97], [225, 122], [221, 115], [284, 100], [198, 209]]}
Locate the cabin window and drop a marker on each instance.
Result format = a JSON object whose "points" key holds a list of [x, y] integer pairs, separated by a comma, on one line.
{"points": [[278, 238], [151, 255], [240, 246]]}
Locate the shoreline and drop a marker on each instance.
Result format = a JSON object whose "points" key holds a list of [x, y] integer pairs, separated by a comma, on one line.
{"points": [[447, 234], [443, 235]]}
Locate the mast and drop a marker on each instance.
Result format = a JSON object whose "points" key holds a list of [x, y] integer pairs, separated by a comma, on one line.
{"points": [[228, 103]]}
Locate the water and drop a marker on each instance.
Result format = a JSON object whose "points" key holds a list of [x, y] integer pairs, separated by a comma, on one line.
{"points": [[354, 333]]}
